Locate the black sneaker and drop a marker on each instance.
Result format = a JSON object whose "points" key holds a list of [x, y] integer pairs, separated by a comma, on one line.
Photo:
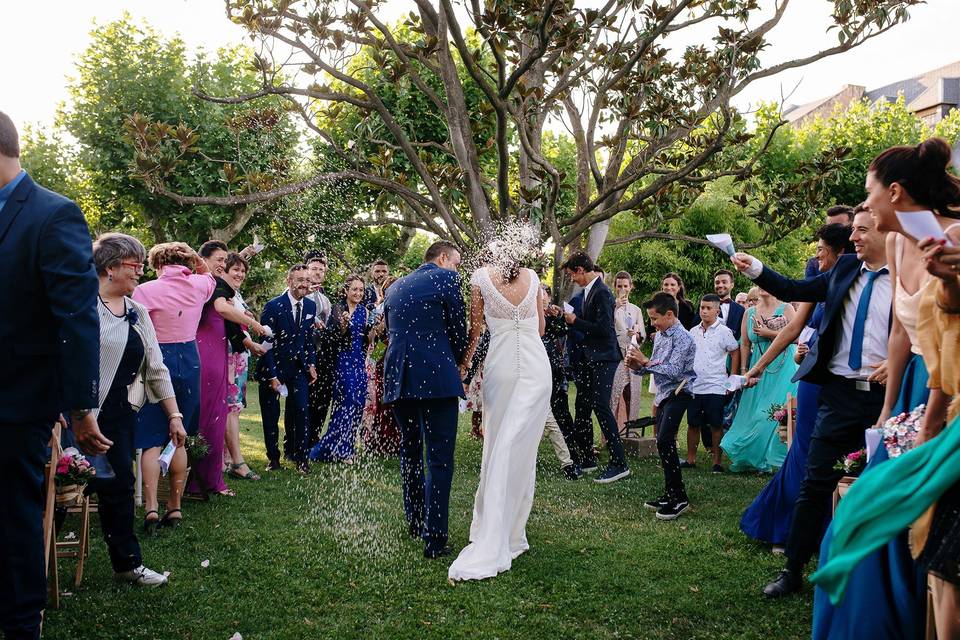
{"points": [[657, 503], [612, 474], [718, 469], [688, 465], [589, 465], [673, 510], [572, 472]]}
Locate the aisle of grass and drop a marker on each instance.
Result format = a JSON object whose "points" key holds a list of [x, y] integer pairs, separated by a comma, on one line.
{"points": [[326, 556]]}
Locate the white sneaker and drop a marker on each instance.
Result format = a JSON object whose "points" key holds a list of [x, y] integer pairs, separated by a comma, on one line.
{"points": [[142, 577]]}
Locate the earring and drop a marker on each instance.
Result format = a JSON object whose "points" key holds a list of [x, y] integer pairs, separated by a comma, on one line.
{"points": [[110, 277]]}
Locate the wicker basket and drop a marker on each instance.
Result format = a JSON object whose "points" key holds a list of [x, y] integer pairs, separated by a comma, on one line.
{"points": [[69, 495]]}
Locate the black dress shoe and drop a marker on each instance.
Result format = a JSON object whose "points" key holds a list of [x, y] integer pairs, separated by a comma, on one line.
{"points": [[433, 554], [273, 465], [786, 583], [303, 467]]}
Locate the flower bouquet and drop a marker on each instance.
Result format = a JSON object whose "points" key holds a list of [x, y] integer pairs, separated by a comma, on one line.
{"points": [[853, 463], [197, 448], [774, 410], [900, 432], [72, 474]]}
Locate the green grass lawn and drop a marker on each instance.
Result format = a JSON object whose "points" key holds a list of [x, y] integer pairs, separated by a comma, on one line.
{"points": [[326, 556]]}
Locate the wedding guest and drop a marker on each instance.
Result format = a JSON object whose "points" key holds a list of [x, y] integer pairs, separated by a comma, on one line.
{"points": [[559, 420], [838, 214], [287, 369], [673, 284], [671, 364], [769, 516], [842, 360], [49, 332], [473, 386], [906, 179], [207, 473], [373, 293], [741, 299], [628, 320], [241, 346], [753, 441], [731, 311], [382, 434], [714, 342], [599, 358], [349, 320], [175, 303], [321, 392], [131, 372], [753, 297]]}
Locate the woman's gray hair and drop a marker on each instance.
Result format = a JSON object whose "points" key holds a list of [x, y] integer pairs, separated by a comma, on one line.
{"points": [[110, 249]]}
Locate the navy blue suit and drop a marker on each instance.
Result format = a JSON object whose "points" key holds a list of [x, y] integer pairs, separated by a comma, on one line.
{"points": [[50, 338], [426, 324], [735, 318], [289, 361], [845, 410], [594, 366]]}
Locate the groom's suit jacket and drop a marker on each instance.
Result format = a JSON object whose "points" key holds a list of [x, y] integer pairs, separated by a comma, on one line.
{"points": [[427, 335], [595, 322], [293, 349]]}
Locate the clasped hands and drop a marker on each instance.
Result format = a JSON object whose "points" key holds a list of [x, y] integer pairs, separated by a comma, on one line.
{"points": [[635, 359]]}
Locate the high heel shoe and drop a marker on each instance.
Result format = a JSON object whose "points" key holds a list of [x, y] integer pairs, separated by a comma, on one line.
{"points": [[171, 523], [150, 524]]}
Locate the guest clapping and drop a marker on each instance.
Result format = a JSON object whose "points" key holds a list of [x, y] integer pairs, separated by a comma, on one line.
{"points": [[350, 377], [131, 371]]}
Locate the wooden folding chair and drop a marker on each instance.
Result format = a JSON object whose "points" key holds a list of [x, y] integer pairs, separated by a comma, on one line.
{"points": [[80, 547], [791, 423], [49, 535]]}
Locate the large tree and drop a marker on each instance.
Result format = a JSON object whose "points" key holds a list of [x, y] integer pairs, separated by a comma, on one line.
{"points": [[651, 119]]}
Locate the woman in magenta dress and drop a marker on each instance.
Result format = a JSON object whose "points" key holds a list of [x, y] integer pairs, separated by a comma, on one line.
{"points": [[207, 474]]}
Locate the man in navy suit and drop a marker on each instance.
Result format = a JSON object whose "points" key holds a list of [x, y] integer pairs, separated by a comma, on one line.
{"points": [[291, 365], [50, 337], [599, 354], [731, 314], [426, 324], [848, 362]]}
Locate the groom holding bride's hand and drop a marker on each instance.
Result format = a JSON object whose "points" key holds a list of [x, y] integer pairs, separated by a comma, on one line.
{"points": [[426, 321]]}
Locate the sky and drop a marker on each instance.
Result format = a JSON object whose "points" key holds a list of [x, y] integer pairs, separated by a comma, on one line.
{"points": [[40, 60]]}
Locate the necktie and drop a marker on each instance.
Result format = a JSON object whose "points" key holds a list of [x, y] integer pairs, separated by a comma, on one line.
{"points": [[297, 314], [859, 324]]}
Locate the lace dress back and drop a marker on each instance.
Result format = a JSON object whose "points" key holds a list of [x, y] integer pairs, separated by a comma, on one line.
{"points": [[496, 305]]}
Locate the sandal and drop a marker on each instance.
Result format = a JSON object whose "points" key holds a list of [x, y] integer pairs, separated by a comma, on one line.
{"points": [[235, 473], [172, 523], [150, 524], [227, 493]]}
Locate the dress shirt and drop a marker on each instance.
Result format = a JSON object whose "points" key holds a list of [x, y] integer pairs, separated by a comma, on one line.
{"points": [[671, 361], [293, 307], [724, 311], [8, 188], [323, 306], [876, 330], [710, 363], [586, 289], [175, 302]]}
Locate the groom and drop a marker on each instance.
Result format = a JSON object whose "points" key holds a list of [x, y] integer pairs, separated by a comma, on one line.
{"points": [[425, 318]]}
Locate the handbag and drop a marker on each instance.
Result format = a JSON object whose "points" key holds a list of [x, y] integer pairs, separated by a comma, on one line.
{"points": [[776, 323]]}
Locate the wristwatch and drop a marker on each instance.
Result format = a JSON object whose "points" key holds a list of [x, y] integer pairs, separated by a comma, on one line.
{"points": [[174, 415]]}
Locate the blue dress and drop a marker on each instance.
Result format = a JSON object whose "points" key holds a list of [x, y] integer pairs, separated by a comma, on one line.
{"points": [[753, 441], [349, 395], [769, 517], [887, 592]]}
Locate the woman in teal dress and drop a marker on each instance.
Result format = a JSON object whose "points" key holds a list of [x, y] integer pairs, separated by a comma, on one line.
{"points": [[753, 441]]}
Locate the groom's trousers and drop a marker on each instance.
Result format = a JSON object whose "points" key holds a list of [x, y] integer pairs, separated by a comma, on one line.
{"points": [[594, 391], [427, 425]]}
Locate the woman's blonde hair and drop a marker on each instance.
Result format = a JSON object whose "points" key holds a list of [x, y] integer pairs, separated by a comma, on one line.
{"points": [[167, 253]]}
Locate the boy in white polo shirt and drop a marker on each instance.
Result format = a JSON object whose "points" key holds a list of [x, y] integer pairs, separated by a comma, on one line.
{"points": [[714, 341]]}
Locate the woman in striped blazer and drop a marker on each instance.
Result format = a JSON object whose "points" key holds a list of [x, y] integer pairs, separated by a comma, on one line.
{"points": [[131, 373]]}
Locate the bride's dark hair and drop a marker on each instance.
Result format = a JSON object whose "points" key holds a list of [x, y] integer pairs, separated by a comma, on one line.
{"points": [[922, 172]]}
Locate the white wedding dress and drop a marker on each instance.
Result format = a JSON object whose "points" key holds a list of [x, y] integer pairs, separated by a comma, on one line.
{"points": [[516, 400]]}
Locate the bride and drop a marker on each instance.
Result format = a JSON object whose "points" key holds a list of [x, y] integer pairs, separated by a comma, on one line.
{"points": [[516, 399]]}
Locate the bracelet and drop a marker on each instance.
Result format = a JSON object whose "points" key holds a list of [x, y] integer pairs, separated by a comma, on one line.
{"points": [[174, 415], [953, 311]]}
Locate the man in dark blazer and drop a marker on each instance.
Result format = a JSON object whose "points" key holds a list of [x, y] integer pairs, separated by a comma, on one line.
{"points": [[599, 354], [847, 361], [291, 365], [427, 342], [731, 313], [50, 337]]}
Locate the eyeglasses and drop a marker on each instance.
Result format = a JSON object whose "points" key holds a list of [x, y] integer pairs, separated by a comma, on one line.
{"points": [[136, 266]]}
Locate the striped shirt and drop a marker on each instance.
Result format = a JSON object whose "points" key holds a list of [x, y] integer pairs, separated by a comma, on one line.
{"points": [[153, 379]]}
